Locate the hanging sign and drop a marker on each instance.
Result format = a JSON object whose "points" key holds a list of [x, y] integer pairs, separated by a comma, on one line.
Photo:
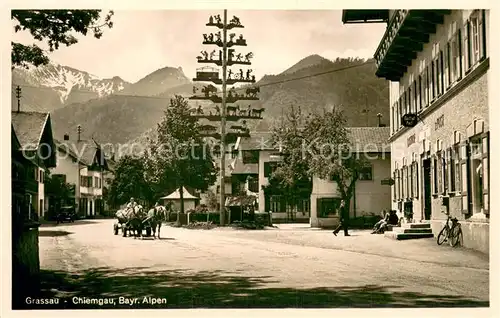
{"points": [[409, 120]]}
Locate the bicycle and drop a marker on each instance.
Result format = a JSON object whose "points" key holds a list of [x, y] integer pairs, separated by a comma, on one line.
{"points": [[451, 233]]}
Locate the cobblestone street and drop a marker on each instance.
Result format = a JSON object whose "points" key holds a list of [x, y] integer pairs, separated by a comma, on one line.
{"points": [[293, 266]]}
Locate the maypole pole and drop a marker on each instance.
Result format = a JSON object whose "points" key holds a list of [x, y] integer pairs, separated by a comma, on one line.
{"points": [[226, 58], [222, 201]]}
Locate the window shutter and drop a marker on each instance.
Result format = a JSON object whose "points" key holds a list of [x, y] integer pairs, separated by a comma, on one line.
{"points": [[400, 196], [486, 177], [433, 177], [460, 65], [464, 177], [448, 64], [395, 186], [466, 46], [482, 34]]}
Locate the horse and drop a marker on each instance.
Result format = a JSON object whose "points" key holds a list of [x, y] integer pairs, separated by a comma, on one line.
{"points": [[155, 217], [134, 221]]}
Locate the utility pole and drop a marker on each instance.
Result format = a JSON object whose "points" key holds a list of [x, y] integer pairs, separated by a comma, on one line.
{"points": [[210, 92], [18, 96]]}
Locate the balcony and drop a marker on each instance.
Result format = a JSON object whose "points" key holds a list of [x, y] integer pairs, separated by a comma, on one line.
{"points": [[405, 36]]}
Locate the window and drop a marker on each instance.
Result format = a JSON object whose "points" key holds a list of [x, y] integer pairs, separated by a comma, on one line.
{"points": [[444, 183], [269, 168], [411, 185], [410, 99], [420, 93], [401, 113], [400, 179], [449, 64], [366, 173], [455, 58], [328, 206], [250, 156], [425, 86], [253, 184]]}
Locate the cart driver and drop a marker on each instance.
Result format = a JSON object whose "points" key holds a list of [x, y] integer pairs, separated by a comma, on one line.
{"points": [[132, 204]]}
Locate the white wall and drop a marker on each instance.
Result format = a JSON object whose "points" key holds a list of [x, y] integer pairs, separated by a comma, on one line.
{"points": [[264, 156]]}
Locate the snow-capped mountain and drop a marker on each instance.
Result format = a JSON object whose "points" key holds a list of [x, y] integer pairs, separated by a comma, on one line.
{"points": [[53, 86]]}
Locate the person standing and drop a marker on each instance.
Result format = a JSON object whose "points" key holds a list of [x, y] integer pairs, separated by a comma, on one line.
{"points": [[344, 219]]}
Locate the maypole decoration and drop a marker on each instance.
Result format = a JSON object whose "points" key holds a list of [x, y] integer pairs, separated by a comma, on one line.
{"points": [[225, 56]]}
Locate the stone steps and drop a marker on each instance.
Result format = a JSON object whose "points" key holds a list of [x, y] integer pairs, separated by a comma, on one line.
{"points": [[409, 231]]}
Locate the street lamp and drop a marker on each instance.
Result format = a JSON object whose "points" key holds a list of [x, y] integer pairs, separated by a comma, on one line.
{"points": [[226, 57]]}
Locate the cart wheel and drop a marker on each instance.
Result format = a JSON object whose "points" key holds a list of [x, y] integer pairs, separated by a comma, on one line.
{"points": [[115, 229], [148, 231]]}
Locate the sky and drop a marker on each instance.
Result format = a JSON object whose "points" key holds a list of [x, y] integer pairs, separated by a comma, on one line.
{"points": [[141, 41]]}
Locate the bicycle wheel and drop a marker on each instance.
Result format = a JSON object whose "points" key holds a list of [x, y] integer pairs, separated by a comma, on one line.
{"points": [[442, 236], [456, 235]]}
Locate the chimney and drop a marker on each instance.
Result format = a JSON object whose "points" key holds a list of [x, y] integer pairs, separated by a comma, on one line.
{"points": [[379, 115], [66, 137], [79, 132]]}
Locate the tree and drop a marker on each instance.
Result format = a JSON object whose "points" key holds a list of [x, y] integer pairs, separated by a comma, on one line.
{"points": [[179, 155], [56, 28], [59, 192], [329, 151], [129, 181], [212, 200], [291, 177]]}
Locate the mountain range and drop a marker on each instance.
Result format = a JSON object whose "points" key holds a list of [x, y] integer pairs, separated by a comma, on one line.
{"points": [[116, 111]]}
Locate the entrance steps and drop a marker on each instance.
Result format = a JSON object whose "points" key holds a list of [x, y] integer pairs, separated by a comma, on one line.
{"points": [[409, 231]]}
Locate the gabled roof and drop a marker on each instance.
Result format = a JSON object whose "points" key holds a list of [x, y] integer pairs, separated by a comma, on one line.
{"points": [[15, 143], [240, 168], [256, 141], [176, 195], [364, 139], [85, 151], [29, 127], [370, 139]]}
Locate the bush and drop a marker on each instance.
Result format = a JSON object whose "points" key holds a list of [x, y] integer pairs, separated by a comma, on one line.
{"points": [[213, 217], [248, 225], [201, 225]]}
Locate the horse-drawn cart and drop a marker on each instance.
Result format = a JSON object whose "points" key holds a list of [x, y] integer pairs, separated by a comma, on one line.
{"points": [[135, 220]]}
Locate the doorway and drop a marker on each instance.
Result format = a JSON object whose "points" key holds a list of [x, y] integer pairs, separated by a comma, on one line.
{"points": [[426, 165]]}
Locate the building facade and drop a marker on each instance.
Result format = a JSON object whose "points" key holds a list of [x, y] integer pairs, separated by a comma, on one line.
{"points": [[83, 164], [34, 133], [258, 158], [439, 76], [372, 193]]}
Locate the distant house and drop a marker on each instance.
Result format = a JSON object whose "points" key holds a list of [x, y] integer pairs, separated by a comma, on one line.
{"points": [[370, 195], [190, 200], [83, 164], [33, 155], [258, 158]]}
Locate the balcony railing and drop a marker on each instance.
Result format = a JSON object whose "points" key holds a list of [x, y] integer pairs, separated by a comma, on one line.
{"points": [[405, 36]]}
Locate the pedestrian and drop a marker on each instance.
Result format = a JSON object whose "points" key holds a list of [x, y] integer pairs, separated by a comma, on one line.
{"points": [[344, 219]]}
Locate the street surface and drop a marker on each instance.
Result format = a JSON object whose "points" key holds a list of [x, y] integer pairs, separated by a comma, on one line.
{"points": [[293, 266]]}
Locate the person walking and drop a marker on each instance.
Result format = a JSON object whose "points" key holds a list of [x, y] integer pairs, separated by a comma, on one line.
{"points": [[344, 219]]}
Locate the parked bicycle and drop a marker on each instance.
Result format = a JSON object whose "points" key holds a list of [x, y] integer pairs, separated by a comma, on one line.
{"points": [[451, 233]]}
